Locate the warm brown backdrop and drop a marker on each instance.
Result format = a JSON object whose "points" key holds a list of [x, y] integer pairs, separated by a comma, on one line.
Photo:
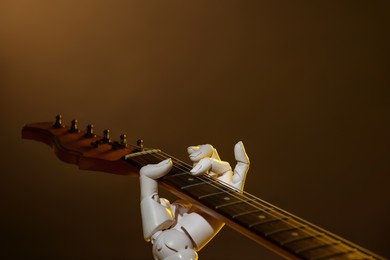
{"points": [[303, 84]]}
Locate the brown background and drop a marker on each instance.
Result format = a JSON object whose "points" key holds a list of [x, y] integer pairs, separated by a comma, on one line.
{"points": [[303, 84]]}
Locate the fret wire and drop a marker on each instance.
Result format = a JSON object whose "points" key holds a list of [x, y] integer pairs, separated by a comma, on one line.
{"points": [[257, 204], [178, 169], [283, 230], [296, 239], [180, 163], [211, 194], [247, 201], [229, 204], [192, 185], [316, 247], [248, 212], [265, 222], [174, 175]]}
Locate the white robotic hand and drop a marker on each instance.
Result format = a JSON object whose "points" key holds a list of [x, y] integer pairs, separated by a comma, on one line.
{"points": [[206, 159], [175, 231]]}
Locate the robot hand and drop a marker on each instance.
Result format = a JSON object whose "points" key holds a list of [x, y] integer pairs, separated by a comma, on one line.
{"points": [[206, 159], [179, 236]]}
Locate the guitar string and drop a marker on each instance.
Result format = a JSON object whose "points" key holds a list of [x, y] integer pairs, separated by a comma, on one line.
{"points": [[318, 232], [207, 179], [220, 186], [217, 184], [186, 168]]}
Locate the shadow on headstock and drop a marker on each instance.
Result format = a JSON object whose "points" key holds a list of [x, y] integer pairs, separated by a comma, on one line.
{"points": [[84, 148]]}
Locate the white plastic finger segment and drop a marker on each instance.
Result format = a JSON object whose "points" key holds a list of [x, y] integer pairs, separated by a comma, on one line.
{"points": [[155, 171], [226, 177], [202, 167], [196, 153], [219, 167], [240, 154], [239, 176], [215, 154], [192, 149]]}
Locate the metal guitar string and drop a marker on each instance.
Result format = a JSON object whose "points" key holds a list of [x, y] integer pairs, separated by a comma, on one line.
{"points": [[222, 187], [332, 239], [257, 203], [270, 209]]}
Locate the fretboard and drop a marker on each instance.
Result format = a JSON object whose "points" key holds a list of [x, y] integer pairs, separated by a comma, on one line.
{"points": [[280, 231]]}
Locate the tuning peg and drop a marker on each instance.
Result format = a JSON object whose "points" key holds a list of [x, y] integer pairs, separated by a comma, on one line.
{"points": [[106, 136], [105, 139], [121, 144], [140, 144], [89, 133], [73, 127], [123, 140], [58, 123]]}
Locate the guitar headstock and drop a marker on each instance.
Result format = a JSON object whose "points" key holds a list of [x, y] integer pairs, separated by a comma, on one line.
{"points": [[84, 148]]}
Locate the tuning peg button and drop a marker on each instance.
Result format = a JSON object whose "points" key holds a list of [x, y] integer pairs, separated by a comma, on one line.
{"points": [[121, 144], [106, 136], [58, 123], [123, 140], [105, 139], [73, 127], [140, 144], [89, 133]]}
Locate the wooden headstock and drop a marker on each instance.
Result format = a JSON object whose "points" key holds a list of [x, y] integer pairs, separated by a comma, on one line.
{"points": [[84, 148]]}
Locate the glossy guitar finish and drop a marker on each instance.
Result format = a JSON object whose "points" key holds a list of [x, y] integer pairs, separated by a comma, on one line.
{"points": [[280, 231], [75, 148]]}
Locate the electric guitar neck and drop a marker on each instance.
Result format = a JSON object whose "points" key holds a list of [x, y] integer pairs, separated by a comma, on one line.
{"points": [[268, 225]]}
